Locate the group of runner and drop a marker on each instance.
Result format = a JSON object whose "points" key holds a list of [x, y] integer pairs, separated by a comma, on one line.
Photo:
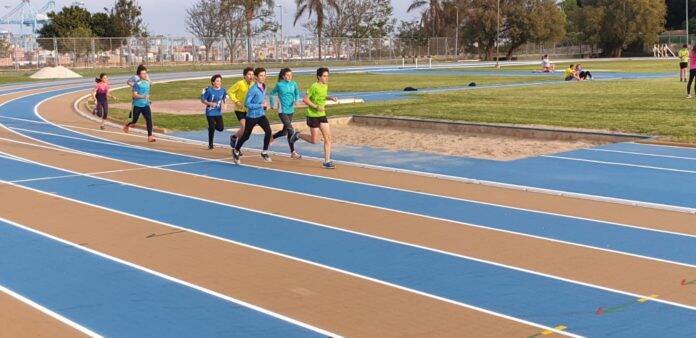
{"points": [[251, 101]]}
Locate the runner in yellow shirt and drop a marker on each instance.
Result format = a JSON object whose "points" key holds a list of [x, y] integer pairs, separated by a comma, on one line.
{"points": [[238, 93], [683, 55]]}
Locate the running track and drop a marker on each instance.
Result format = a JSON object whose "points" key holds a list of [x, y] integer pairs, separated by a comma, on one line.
{"points": [[103, 234]]}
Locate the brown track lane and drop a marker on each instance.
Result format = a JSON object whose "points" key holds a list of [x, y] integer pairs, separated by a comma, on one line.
{"points": [[18, 319], [330, 300], [636, 275], [56, 110]]}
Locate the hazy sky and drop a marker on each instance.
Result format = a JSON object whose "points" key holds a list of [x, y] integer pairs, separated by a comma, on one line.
{"points": [[167, 16]]}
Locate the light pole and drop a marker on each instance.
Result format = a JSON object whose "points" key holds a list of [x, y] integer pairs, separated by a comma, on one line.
{"points": [[687, 21], [282, 36], [497, 37], [456, 37]]}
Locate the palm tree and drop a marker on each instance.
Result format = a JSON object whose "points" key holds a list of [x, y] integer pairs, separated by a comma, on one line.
{"points": [[251, 9], [435, 9], [318, 8]]}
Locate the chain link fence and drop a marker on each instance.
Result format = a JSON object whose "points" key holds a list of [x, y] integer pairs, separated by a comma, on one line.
{"points": [[27, 53]]}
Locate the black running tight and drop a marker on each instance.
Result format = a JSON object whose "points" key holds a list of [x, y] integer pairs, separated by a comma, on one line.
{"points": [[214, 123], [251, 122], [287, 130]]}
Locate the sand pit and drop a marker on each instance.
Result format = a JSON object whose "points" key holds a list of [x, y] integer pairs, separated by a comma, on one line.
{"points": [[484, 146], [59, 72]]}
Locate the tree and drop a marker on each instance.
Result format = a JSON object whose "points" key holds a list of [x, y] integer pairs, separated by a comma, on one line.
{"points": [[623, 23], [432, 18], [481, 28], [253, 10], [532, 21], [676, 16], [4, 48], [356, 19], [70, 22], [233, 27], [127, 19], [411, 35], [319, 9], [204, 20]]}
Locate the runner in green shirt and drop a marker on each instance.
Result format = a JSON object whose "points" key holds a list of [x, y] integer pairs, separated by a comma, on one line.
{"points": [[317, 94], [683, 63]]}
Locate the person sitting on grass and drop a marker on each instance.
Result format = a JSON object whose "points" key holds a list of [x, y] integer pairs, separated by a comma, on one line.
{"points": [[546, 65], [582, 73], [569, 74]]}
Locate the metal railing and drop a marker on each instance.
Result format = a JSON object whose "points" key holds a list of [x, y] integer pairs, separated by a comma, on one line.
{"points": [[26, 52]]}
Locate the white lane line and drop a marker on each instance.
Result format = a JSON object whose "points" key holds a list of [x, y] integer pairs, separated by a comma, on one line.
{"points": [[484, 261], [619, 164], [225, 161], [642, 154], [47, 311], [170, 278], [663, 145], [345, 272]]}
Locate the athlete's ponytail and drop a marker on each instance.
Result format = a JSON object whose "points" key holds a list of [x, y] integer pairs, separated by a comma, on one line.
{"points": [[281, 75], [99, 79]]}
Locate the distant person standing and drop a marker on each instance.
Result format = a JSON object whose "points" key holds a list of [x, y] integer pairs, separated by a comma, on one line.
{"points": [[214, 98], [683, 55], [317, 94], [141, 103], [692, 71]]}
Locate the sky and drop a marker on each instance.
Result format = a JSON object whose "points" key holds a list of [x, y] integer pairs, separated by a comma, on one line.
{"points": [[159, 14]]}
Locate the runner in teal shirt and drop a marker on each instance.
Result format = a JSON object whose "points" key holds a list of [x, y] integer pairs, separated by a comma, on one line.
{"points": [[288, 92]]}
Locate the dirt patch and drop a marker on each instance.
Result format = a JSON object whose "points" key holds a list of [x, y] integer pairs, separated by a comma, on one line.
{"points": [[469, 145]]}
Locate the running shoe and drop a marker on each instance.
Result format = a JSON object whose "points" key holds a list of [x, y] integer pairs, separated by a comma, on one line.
{"points": [[151, 139], [235, 156], [688, 96], [126, 128], [210, 147], [329, 165], [295, 137], [102, 127], [296, 155], [265, 157]]}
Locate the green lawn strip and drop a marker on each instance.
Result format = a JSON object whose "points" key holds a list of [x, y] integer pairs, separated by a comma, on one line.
{"points": [[640, 66], [655, 107], [339, 83]]}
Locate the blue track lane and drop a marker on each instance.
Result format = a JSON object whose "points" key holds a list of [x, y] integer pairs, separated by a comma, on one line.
{"points": [[667, 163], [524, 295], [672, 247], [116, 300]]}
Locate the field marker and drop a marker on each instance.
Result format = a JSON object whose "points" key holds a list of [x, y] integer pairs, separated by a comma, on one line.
{"points": [[601, 310], [558, 328]]}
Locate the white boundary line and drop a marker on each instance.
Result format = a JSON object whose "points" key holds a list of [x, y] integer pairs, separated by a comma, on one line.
{"points": [[663, 145], [641, 154], [171, 279], [479, 260], [284, 256], [47, 311], [619, 164]]}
